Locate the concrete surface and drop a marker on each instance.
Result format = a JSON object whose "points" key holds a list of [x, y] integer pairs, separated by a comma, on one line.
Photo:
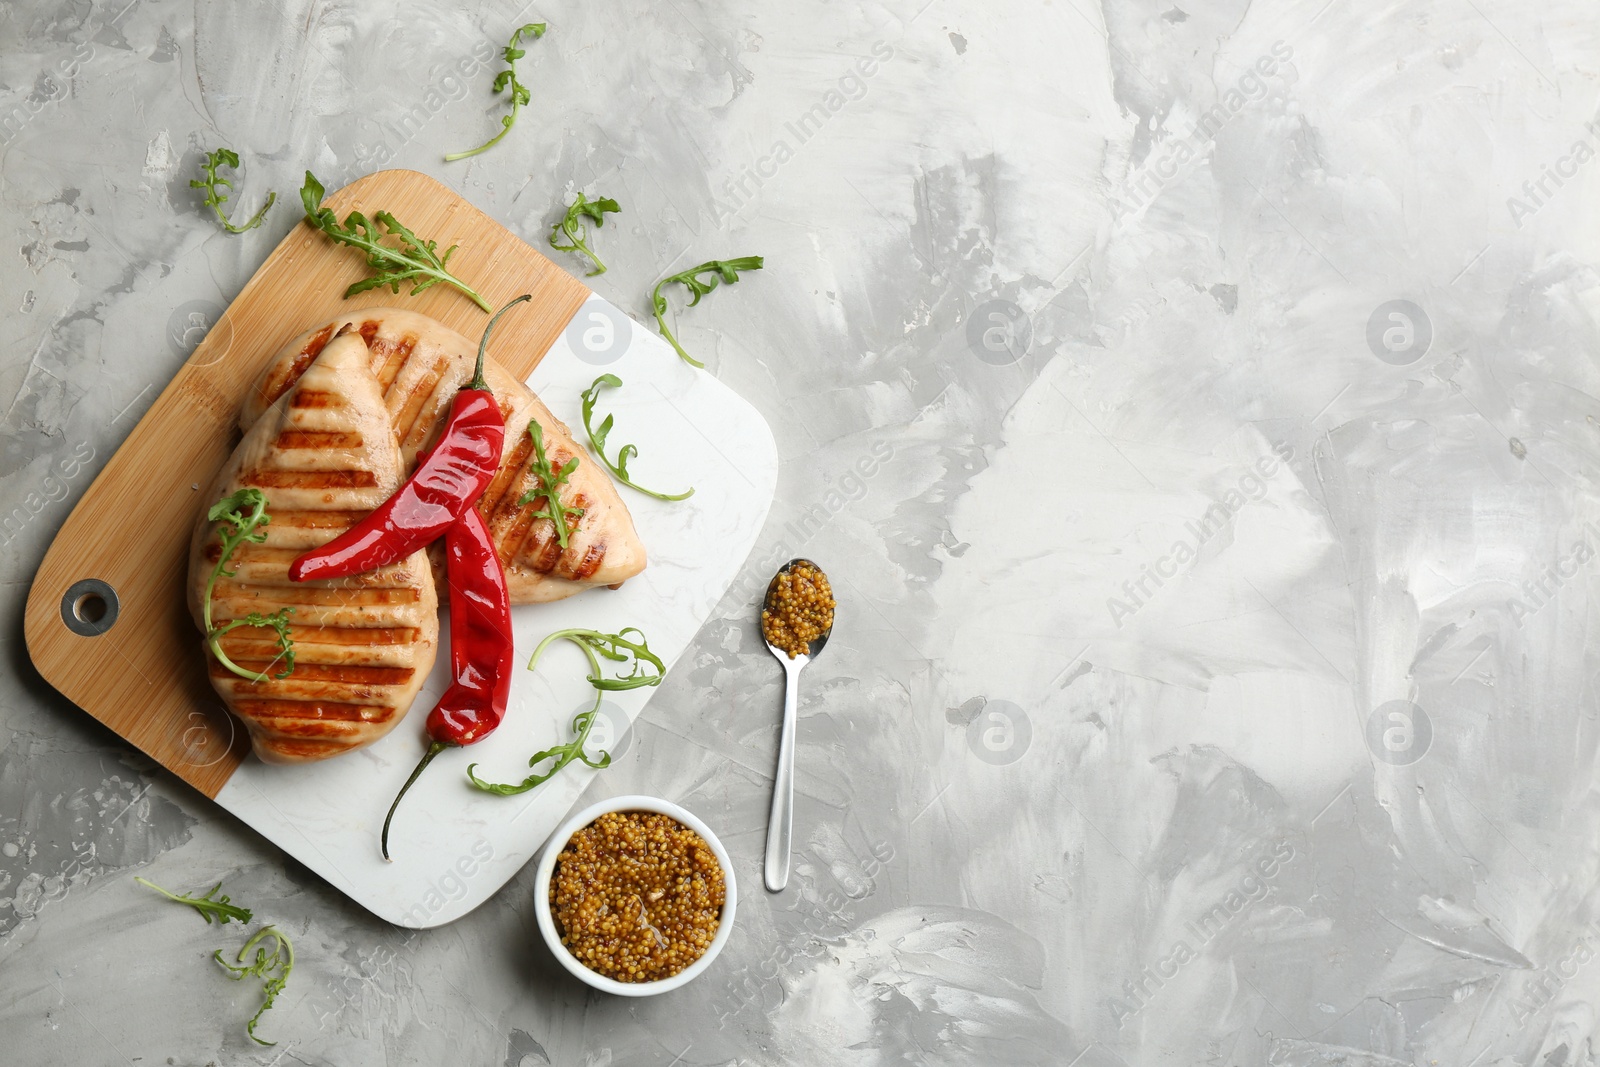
{"points": [[1195, 406]]}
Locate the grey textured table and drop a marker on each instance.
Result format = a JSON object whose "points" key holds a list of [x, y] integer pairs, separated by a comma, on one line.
{"points": [[1196, 409]]}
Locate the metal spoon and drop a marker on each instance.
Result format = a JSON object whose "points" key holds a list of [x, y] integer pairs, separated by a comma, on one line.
{"points": [[780, 823]]}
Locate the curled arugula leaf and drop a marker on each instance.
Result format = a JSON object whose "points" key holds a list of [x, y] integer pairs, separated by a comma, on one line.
{"points": [[547, 482], [213, 183], [597, 441], [577, 233], [240, 518], [618, 647], [507, 79], [273, 968], [726, 270], [208, 906], [412, 260]]}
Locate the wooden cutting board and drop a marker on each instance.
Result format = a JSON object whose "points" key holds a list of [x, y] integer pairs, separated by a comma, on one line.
{"points": [[127, 651]]}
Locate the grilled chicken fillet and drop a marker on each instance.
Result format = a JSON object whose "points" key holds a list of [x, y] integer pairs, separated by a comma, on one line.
{"points": [[324, 454], [420, 364]]}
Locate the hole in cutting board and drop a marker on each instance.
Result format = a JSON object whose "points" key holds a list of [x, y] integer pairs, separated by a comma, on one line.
{"points": [[90, 607]]}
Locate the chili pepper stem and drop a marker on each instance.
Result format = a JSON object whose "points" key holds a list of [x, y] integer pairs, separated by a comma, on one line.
{"points": [[478, 381], [427, 758]]}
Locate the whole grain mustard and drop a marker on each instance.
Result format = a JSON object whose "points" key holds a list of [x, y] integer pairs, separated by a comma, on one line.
{"points": [[799, 608], [637, 896]]}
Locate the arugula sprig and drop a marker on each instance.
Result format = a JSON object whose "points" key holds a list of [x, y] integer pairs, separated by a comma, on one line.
{"points": [[507, 79], [412, 260], [213, 183], [724, 270], [619, 648], [597, 441], [240, 518], [577, 232], [273, 968], [210, 906], [547, 482]]}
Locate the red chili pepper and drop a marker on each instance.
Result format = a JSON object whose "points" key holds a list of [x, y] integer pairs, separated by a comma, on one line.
{"points": [[480, 647], [448, 481]]}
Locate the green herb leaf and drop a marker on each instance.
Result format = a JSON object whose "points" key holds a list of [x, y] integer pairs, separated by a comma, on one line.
{"points": [[273, 968], [724, 270], [507, 78], [240, 518], [411, 260], [210, 906], [577, 233], [213, 183], [619, 648], [547, 482], [597, 441]]}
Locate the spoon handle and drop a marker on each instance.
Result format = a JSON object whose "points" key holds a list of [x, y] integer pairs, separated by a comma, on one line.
{"points": [[780, 823]]}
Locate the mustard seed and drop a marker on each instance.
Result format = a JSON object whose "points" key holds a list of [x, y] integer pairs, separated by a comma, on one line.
{"points": [[637, 896], [799, 608]]}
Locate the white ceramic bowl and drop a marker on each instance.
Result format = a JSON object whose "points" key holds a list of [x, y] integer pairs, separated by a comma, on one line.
{"points": [[547, 924]]}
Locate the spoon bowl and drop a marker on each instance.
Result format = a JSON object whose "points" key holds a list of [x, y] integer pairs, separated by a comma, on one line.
{"points": [[816, 644], [780, 821]]}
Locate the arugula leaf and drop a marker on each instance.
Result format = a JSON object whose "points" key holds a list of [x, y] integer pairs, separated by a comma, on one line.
{"points": [[263, 966], [618, 647], [410, 260], [577, 233], [507, 78], [547, 482], [597, 441], [213, 183], [208, 905], [236, 527], [726, 270]]}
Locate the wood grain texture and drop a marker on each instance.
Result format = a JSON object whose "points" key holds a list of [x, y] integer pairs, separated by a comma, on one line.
{"points": [[146, 677]]}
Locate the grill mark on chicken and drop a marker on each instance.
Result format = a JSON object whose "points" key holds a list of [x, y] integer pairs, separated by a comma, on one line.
{"points": [[313, 710], [307, 637], [277, 385], [315, 398], [310, 479], [515, 519], [411, 411], [318, 439], [317, 520], [389, 359], [591, 561], [340, 673], [274, 597], [548, 556], [510, 471], [256, 556]]}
